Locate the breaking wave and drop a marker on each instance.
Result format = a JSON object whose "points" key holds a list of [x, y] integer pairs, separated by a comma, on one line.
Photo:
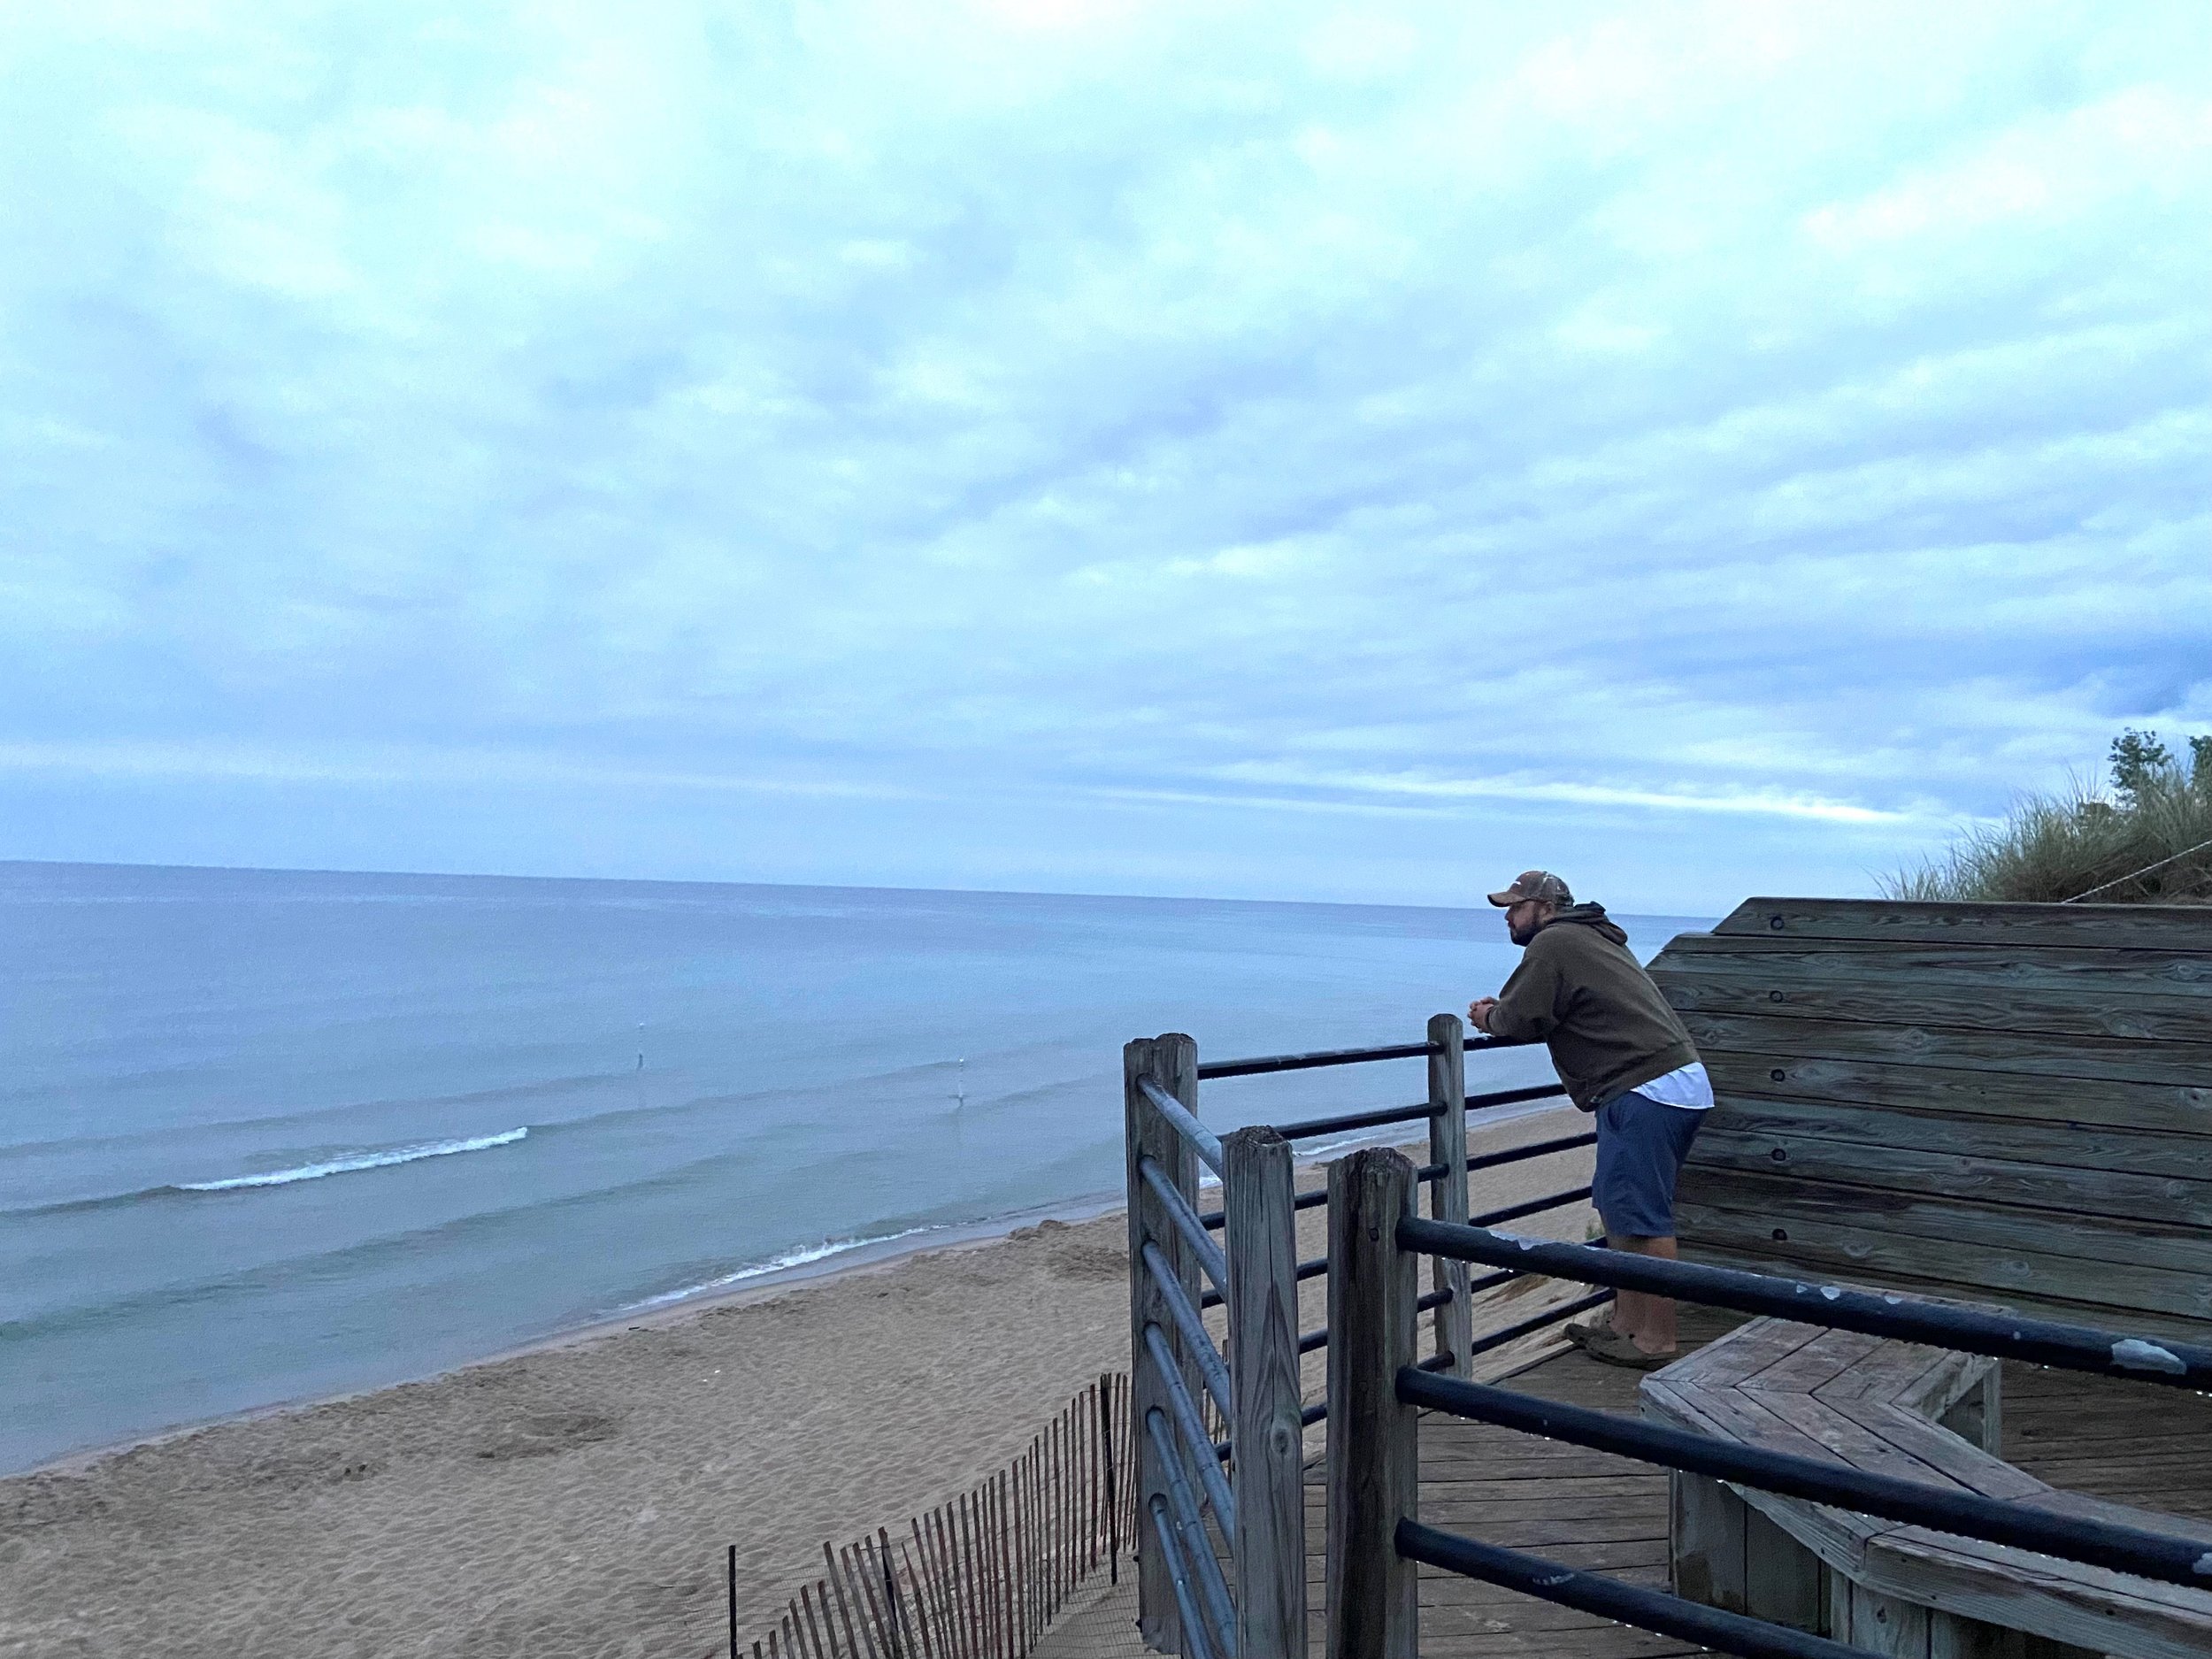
{"points": [[356, 1161]]}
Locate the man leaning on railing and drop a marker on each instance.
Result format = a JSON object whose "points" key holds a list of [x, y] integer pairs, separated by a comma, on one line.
{"points": [[1624, 1055]]}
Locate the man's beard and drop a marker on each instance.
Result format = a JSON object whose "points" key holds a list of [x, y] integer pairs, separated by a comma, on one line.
{"points": [[1521, 935]]}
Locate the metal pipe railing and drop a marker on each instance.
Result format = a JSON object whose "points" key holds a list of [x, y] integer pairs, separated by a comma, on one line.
{"points": [[1194, 1628], [2100, 1543], [1188, 1222], [1191, 1328], [1344, 1123], [1198, 1556], [1193, 1429], [1968, 1330], [1608, 1597], [1202, 1140]]}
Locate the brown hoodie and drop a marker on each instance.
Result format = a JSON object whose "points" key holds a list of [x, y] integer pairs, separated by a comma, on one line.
{"points": [[1606, 1025]]}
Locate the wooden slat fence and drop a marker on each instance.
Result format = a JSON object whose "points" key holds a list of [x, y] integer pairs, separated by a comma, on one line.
{"points": [[983, 1576], [2007, 1103]]}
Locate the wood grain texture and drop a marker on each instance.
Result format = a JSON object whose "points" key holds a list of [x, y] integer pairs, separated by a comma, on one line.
{"points": [[1172, 1062], [1847, 992], [2021, 1053], [2052, 1148], [1448, 1192], [1262, 1240], [1761, 1072], [2103, 1237], [2001, 1268], [1373, 1451], [2181, 973], [1998, 926], [1920, 1172], [1891, 1588]]}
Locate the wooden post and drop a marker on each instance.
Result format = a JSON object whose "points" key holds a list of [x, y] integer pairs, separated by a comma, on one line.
{"points": [[1374, 1450], [1448, 1192], [1172, 1062], [1267, 1439]]}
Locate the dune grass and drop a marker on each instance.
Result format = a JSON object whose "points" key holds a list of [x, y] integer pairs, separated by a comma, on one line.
{"points": [[2157, 812]]}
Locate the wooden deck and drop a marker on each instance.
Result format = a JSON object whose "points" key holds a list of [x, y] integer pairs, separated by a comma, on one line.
{"points": [[2128, 1442]]}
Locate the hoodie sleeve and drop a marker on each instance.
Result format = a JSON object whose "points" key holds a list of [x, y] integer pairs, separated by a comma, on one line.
{"points": [[1528, 1006]]}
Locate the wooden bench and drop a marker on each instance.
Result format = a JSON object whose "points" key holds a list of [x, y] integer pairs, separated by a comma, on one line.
{"points": [[1921, 1414]]}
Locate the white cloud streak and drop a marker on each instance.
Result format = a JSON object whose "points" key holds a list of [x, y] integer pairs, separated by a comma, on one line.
{"points": [[1718, 412]]}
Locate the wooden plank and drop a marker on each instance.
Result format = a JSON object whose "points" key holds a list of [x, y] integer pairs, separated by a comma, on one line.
{"points": [[1448, 1192], [1744, 1354], [1813, 1363], [1998, 1270], [1945, 1458], [1784, 1583], [2071, 1193], [1759, 1256], [1374, 1452], [2088, 1607], [2063, 1011], [2094, 972], [1260, 1236], [2040, 1144], [1172, 1060], [2003, 926], [1881, 1624], [2021, 1053], [1706, 1542], [2151, 1250], [1748, 1072]]}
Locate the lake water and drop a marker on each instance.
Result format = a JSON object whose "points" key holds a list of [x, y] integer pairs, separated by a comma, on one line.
{"points": [[269, 1135]]}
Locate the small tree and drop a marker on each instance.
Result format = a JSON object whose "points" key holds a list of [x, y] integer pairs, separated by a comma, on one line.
{"points": [[2200, 764], [2140, 759]]}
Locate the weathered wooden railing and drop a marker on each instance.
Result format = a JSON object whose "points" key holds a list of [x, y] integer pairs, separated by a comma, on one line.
{"points": [[1257, 1609], [1376, 1392]]}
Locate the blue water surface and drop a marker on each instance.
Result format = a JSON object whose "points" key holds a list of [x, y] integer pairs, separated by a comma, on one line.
{"points": [[269, 1135]]}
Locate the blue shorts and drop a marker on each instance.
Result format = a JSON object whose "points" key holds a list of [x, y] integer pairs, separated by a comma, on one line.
{"points": [[1641, 1144]]}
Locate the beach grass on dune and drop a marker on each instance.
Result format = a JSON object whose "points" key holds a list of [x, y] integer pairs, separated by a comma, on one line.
{"points": [[2147, 839]]}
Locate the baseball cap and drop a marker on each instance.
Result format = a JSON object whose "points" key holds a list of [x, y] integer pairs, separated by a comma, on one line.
{"points": [[1534, 884]]}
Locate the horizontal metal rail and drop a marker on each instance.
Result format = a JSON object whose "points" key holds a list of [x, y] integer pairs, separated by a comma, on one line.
{"points": [[1627, 1605], [1178, 1576], [1343, 1123], [1968, 1330], [1513, 1096], [2147, 1554], [1198, 1553], [1215, 1219], [1536, 1322], [1191, 1328], [1207, 1143], [1530, 1207], [1187, 1420], [1535, 1149], [1308, 1062], [1188, 1222], [1267, 1063]]}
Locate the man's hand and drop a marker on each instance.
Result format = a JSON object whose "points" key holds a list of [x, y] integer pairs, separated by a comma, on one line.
{"points": [[1478, 1012]]}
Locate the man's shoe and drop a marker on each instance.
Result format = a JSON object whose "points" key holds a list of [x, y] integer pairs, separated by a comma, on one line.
{"points": [[1579, 1331], [1613, 1348]]}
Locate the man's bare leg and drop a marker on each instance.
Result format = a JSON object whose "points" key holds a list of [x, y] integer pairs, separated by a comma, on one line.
{"points": [[1644, 1319]]}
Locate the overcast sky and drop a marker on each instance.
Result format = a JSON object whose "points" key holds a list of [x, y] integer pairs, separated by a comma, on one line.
{"points": [[1258, 451]]}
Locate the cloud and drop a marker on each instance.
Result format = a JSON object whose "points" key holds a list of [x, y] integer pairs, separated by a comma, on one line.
{"points": [[1693, 413]]}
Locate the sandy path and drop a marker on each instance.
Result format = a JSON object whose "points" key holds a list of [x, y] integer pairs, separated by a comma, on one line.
{"points": [[578, 1500]]}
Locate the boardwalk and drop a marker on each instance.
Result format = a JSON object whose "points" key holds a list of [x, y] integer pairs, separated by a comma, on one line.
{"points": [[1608, 1514], [2129, 1443]]}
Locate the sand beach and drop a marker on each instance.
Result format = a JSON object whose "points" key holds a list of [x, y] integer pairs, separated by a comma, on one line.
{"points": [[579, 1499]]}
